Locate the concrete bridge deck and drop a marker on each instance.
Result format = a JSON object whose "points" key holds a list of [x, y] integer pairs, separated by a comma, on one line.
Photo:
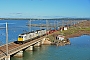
{"points": [[13, 48]]}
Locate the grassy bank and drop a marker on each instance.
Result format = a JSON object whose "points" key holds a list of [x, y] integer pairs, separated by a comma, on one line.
{"points": [[79, 29], [74, 30]]}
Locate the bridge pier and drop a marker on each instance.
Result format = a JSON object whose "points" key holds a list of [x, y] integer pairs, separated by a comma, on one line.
{"points": [[19, 54], [37, 44], [7, 58], [17, 50], [29, 48]]}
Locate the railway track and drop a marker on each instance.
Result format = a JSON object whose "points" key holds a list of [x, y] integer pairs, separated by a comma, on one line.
{"points": [[12, 47]]}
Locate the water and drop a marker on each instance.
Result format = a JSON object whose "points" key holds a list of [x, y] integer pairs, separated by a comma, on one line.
{"points": [[78, 50], [16, 27]]}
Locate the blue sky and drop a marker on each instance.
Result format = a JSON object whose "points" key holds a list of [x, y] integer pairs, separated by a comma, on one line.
{"points": [[44, 8]]}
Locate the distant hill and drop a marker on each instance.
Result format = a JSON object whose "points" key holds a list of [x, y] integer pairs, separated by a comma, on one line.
{"points": [[45, 19]]}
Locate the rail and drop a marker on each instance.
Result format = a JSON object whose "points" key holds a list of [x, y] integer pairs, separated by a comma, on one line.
{"points": [[20, 47]]}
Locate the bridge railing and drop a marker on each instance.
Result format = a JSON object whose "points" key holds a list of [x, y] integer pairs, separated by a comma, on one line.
{"points": [[2, 55], [20, 47]]}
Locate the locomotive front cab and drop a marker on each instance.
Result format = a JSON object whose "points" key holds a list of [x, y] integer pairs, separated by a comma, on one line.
{"points": [[20, 38]]}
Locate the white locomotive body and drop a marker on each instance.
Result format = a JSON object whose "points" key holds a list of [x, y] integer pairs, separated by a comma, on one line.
{"points": [[31, 35]]}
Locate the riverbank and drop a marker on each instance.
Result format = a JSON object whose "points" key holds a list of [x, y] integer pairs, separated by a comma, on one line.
{"points": [[82, 28]]}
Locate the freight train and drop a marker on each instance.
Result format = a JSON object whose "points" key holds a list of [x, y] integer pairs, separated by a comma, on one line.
{"points": [[25, 37]]}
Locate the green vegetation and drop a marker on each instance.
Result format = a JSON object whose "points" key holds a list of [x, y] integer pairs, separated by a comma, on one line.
{"points": [[76, 30], [71, 30], [51, 37], [85, 29]]}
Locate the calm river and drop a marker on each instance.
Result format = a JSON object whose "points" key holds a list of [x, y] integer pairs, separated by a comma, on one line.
{"points": [[78, 50]]}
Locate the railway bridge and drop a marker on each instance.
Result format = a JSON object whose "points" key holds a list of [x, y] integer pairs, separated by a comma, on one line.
{"points": [[17, 49]]}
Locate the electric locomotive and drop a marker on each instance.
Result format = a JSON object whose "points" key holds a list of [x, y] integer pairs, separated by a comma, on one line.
{"points": [[25, 37]]}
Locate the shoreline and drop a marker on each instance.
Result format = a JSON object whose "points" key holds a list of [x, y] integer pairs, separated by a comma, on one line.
{"points": [[78, 34], [82, 28]]}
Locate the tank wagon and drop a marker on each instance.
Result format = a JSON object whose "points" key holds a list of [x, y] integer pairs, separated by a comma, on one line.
{"points": [[25, 37]]}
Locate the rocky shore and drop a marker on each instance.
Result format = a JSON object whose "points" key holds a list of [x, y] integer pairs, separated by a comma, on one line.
{"points": [[56, 42]]}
